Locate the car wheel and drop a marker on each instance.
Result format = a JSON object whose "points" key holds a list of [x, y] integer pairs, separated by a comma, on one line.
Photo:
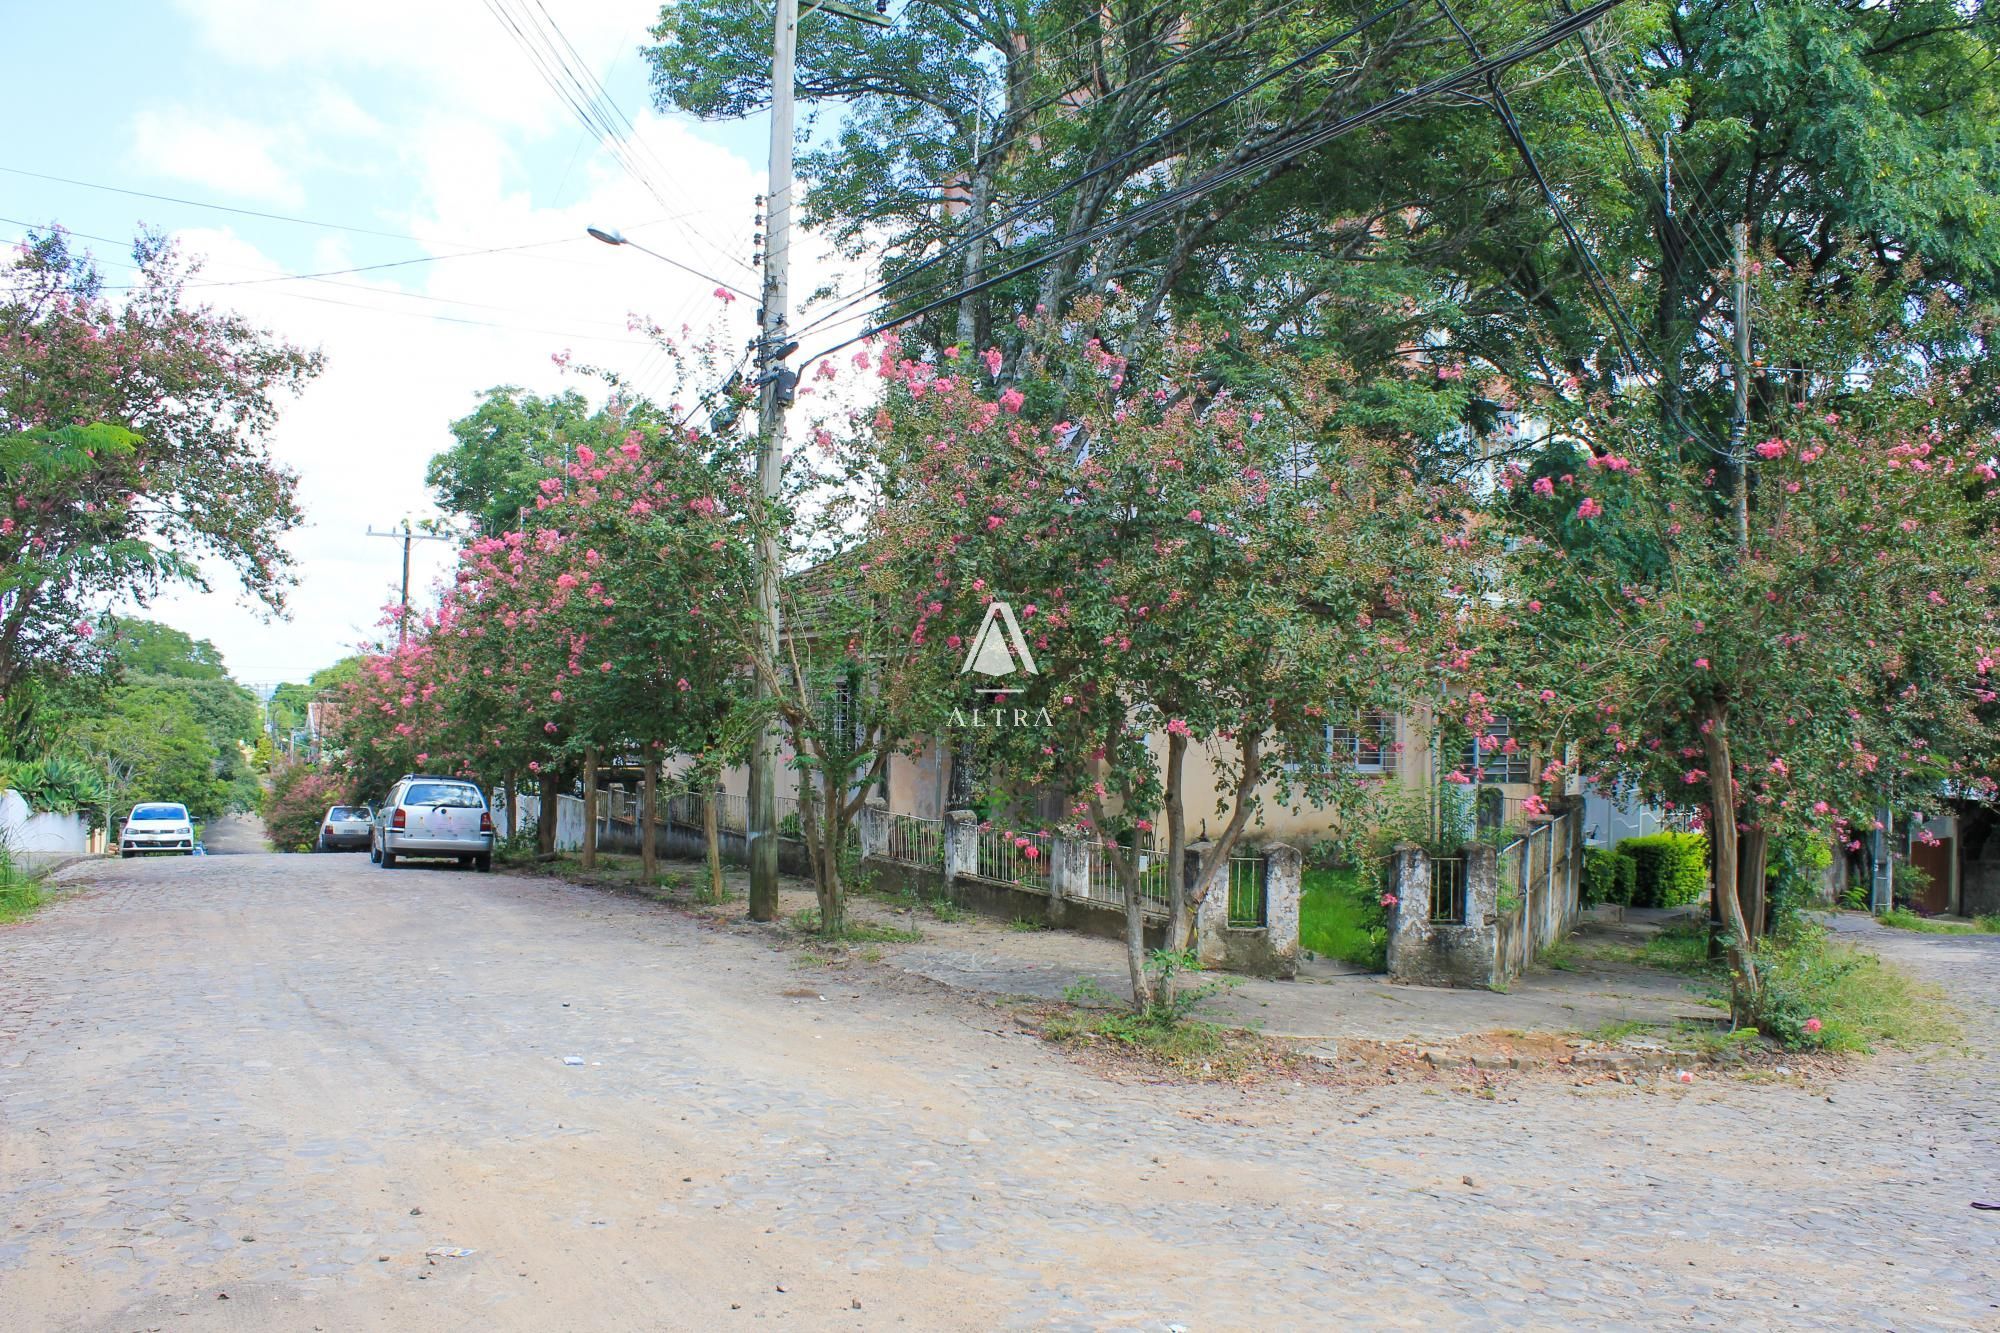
{"points": [[374, 853], [126, 852], [485, 864], [388, 859]]}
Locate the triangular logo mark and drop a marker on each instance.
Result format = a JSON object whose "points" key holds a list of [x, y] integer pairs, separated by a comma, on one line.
{"points": [[999, 649]]}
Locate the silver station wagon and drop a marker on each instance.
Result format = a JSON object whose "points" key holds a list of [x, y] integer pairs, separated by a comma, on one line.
{"points": [[433, 818]]}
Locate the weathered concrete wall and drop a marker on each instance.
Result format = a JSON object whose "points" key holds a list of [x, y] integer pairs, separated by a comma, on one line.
{"points": [[1271, 950], [1439, 953]]}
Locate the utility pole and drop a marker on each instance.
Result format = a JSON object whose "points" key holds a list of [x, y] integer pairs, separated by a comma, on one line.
{"points": [[777, 384], [1739, 424], [406, 536]]}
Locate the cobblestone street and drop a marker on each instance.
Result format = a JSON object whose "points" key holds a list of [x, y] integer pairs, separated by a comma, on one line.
{"points": [[263, 1092]]}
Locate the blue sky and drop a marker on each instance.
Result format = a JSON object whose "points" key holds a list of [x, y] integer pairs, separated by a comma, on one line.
{"points": [[423, 120]]}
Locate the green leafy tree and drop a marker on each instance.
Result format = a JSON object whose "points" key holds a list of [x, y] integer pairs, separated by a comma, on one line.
{"points": [[1199, 553], [132, 448], [504, 449], [1779, 675]]}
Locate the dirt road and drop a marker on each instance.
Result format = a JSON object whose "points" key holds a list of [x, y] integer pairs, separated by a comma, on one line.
{"points": [[268, 1092]]}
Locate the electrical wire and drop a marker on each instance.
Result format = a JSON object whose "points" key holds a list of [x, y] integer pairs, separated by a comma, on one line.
{"points": [[1165, 136], [1269, 157]]}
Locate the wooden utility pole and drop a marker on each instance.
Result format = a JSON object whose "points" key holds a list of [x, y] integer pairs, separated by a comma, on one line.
{"points": [[406, 535]]}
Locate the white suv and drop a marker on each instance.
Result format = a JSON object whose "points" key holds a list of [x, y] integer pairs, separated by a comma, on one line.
{"points": [[444, 818], [157, 827]]}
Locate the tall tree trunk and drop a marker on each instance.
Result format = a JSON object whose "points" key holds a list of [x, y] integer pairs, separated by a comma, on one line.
{"points": [[545, 818], [1127, 861], [649, 814], [1754, 850], [1722, 804], [590, 808], [711, 834], [1180, 921]]}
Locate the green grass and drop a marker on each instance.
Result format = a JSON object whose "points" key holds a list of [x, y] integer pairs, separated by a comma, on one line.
{"points": [[1025, 924], [1858, 1001], [855, 932], [20, 892], [20, 897], [1619, 1030], [1681, 948], [1338, 918], [1190, 1046], [1902, 918], [944, 909]]}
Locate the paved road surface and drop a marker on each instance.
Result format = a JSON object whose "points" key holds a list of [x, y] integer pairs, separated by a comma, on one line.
{"points": [[283, 1080]]}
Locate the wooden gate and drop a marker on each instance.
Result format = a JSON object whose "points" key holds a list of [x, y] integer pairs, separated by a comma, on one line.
{"points": [[1935, 859]]}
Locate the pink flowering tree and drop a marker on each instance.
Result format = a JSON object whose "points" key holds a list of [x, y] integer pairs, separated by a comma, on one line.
{"points": [[132, 448], [1200, 551], [1779, 679]]}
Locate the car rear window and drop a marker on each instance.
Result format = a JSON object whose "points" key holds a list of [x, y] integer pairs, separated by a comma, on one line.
{"points": [[159, 812], [342, 812], [443, 793]]}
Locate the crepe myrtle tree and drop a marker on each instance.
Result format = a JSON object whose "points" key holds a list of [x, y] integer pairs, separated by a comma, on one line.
{"points": [[132, 447], [1782, 683], [1204, 553], [624, 598]]}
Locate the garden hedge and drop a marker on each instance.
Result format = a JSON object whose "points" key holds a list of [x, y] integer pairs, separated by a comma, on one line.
{"points": [[1626, 872], [1671, 869], [1600, 876]]}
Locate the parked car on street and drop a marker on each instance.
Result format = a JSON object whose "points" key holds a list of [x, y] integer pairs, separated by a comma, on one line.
{"points": [[157, 826], [432, 817], [346, 828]]}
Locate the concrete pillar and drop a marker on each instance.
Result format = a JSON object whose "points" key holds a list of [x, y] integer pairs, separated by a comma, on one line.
{"points": [[1284, 876], [1211, 918], [1069, 875], [1410, 915], [961, 844], [873, 827]]}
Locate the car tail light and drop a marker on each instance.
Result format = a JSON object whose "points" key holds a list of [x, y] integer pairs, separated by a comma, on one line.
{"points": [[327, 829], [399, 819], [485, 822]]}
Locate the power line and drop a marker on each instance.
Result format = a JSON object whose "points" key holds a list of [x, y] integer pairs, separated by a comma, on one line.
{"points": [[1309, 55], [1273, 155], [550, 52]]}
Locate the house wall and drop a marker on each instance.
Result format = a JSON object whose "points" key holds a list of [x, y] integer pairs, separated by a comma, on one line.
{"points": [[43, 834]]}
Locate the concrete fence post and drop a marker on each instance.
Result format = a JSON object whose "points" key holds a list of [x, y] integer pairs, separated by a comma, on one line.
{"points": [[1284, 879], [873, 827], [1069, 875], [1211, 918], [961, 845], [1410, 915]]}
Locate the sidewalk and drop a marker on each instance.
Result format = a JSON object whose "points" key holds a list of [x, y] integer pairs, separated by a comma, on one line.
{"points": [[994, 958]]}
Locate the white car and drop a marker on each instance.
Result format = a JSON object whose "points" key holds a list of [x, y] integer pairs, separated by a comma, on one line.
{"points": [[433, 817], [159, 826]]}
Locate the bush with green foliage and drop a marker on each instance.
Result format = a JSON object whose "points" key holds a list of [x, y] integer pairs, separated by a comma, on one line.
{"points": [[1341, 916], [1600, 876], [1625, 872], [1671, 868], [57, 785], [1817, 992], [295, 803]]}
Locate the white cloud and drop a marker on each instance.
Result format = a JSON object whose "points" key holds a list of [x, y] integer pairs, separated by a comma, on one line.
{"points": [[410, 349], [231, 156]]}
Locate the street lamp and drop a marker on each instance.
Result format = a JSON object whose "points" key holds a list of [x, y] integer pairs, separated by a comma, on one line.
{"points": [[774, 384], [613, 236]]}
